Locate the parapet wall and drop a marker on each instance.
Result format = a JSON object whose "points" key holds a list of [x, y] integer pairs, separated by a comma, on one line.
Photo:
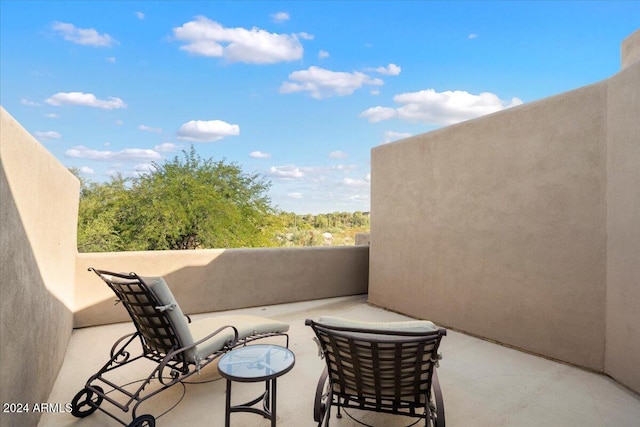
{"points": [[38, 222], [630, 50], [224, 279], [623, 226], [521, 226], [496, 226]]}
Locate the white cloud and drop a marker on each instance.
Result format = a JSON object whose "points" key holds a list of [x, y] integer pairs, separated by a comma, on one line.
{"points": [[389, 70], [439, 108], [83, 36], [146, 128], [166, 147], [346, 168], [87, 170], [50, 134], [111, 59], [52, 116], [305, 36], [394, 136], [259, 155], [128, 154], [377, 114], [338, 154], [351, 182], [139, 15], [207, 130], [360, 198], [285, 172], [28, 103], [85, 99], [323, 188], [119, 122], [323, 54], [375, 92], [209, 38], [280, 17], [473, 36], [322, 83]]}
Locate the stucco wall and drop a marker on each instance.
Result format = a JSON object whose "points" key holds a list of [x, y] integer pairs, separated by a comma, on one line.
{"points": [[623, 226], [630, 50], [216, 279], [38, 221], [522, 226], [496, 226]]}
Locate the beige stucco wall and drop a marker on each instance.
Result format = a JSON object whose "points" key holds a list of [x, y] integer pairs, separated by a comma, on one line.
{"points": [[38, 221], [623, 226], [630, 50], [218, 279], [522, 226], [496, 226]]}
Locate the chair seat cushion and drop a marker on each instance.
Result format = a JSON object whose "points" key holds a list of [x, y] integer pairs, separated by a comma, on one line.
{"points": [[245, 324], [404, 326]]}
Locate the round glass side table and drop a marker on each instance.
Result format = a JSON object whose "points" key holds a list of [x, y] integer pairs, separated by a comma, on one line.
{"points": [[254, 363]]}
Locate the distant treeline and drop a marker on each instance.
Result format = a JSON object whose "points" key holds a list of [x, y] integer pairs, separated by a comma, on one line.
{"points": [[195, 203], [331, 229]]}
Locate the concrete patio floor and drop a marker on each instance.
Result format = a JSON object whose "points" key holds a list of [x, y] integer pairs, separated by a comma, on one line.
{"points": [[484, 384]]}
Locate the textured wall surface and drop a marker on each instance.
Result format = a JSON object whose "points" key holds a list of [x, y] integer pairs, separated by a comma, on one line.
{"points": [[623, 227], [224, 279], [522, 226], [496, 226], [38, 222]]}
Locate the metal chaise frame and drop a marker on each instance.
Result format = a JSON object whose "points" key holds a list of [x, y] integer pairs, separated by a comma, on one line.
{"points": [[379, 370], [156, 333]]}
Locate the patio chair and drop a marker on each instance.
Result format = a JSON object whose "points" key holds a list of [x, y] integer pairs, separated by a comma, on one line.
{"points": [[386, 367], [177, 347]]}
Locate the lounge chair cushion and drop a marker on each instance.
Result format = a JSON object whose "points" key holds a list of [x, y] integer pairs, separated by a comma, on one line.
{"points": [[246, 326], [194, 332], [189, 333], [161, 291], [404, 326]]}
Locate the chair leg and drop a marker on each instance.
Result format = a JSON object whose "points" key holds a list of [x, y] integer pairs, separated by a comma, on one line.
{"points": [[323, 399], [327, 415], [437, 394]]}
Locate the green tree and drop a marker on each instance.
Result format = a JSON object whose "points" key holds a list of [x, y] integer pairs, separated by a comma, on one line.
{"points": [[184, 203], [100, 215]]}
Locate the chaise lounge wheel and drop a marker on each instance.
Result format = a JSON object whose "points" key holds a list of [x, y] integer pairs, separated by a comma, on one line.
{"points": [[86, 402], [145, 420]]}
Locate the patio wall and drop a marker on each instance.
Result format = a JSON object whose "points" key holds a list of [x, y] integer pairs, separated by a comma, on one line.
{"points": [[622, 351], [521, 226], [38, 220], [224, 279]]}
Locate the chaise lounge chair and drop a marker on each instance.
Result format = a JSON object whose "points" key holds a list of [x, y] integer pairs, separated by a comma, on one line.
{"points": [[166, 337], [387, 367]]}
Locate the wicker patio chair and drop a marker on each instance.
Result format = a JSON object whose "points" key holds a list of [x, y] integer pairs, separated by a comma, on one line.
{"points": [[386, 367], [176, 347]]}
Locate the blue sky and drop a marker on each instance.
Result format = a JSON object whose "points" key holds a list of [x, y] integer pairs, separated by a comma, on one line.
{"points": [[296, 91]]}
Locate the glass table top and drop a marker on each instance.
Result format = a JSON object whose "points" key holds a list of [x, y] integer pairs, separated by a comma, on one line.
{"points": [[256, 362]]}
